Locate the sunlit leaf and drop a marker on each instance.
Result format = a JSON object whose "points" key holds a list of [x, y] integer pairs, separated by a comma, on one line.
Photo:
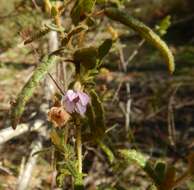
{"points": [[163, 26], [146, 32], [133, 156], [81, 9], [107, 151], [29, 88]]}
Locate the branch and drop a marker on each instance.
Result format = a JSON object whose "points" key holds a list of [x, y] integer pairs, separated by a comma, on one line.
{"points": [[25, 176], [9, 133]]}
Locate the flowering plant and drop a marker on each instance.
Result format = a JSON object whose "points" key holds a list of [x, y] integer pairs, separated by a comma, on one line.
{"points": [[75, 102], [80, 108]]}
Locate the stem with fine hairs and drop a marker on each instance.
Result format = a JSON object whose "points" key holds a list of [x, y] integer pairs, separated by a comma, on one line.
{"points": [[79, 145]]}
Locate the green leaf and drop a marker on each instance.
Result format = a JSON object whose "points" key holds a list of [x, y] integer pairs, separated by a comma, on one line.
{"points": [[160, 170], [67, 165], [98, 128], [163, 26], [87, 57], [81, 9], [104, 48], [29, 88], [133, 156], [107, 151], [146, 32], [54, 11]]}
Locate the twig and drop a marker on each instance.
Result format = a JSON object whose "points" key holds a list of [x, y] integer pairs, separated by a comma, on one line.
{"points": [[171, 124], [127, 109], [9, 133], [57, 85], [24, 179], [135, 52]]}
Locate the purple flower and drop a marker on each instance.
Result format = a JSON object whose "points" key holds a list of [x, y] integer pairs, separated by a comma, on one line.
{"points": [[75, 102]]}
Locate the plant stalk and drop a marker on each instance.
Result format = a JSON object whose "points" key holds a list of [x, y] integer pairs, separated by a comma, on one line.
{"points": [[79, 145], [181, 179]]}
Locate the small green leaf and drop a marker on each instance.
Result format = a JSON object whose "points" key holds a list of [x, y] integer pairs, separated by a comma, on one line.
{"points": [[107, 151], [104, 48], [87, 57], [163, 26], [160, 170], [81, 9], [98, 128], [54, 11], [141, 160]]}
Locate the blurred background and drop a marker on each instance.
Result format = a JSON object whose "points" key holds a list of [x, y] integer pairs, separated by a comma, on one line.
{"points": [[146, 107]]}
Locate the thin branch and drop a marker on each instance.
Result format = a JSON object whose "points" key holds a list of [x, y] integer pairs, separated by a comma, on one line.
{"points": [[25, 177], [8, 133]]}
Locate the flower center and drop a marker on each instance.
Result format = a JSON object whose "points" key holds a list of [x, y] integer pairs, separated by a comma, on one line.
{"points": [[76, 99]]}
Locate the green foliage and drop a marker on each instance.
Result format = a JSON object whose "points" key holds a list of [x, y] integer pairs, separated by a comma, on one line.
{"points": [[160, 170], [107, 151], [145, 32], [98, 127], [87, 61], [66, 162], [28, 90], [163, 26], [104, 48], [81, 9], [163, 175], [90, 57], [133, 156], [86, 57]]}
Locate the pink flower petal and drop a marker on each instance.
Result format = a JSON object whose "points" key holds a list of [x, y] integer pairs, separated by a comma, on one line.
{"points": [[69, 106], [84, 98], [80, 108], [71, 95]]}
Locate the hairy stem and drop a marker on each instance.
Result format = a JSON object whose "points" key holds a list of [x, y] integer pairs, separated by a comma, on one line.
{"points": [[79, 145]]}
